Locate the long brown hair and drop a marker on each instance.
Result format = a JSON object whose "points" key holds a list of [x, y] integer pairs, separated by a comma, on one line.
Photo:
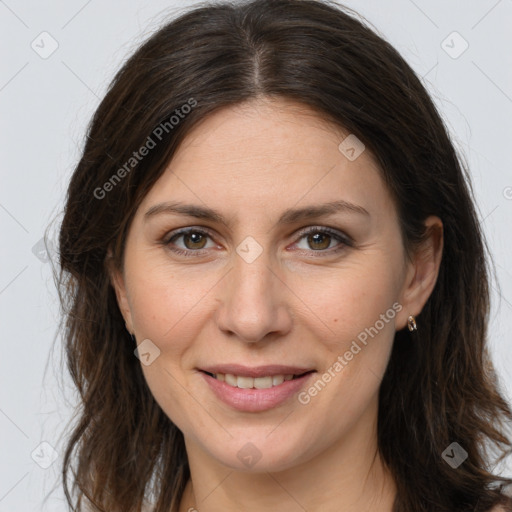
{"points": [[439, 388]]}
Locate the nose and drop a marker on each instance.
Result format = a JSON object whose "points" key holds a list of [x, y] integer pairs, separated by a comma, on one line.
{"points": [[253, 301]]}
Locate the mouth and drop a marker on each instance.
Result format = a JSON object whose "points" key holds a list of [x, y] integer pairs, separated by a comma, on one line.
{"points": [[263, 382], [256, 389]]}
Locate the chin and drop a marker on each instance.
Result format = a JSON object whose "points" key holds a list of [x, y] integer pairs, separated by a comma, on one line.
{"points": [[260, 452]]}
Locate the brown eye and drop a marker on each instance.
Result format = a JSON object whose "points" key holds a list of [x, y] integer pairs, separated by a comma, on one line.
{"points": [[189, 242], [319, 241], [197, 240]]}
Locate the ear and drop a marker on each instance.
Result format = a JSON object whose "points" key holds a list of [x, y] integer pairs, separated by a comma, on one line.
{"points": [[118, 283], [422, 272]]}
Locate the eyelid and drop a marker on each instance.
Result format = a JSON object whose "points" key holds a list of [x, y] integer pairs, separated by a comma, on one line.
{"points": [[184, 231], [325, 229]]}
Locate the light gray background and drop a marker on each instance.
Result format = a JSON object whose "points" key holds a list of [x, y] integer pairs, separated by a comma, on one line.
{"points": [[45, 105]]}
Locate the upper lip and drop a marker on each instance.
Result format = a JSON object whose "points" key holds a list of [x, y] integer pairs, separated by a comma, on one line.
{"points": [[256, 371]]}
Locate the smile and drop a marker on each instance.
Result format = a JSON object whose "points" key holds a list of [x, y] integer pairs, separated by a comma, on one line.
{"points": [[242, 382], [268, 387]]}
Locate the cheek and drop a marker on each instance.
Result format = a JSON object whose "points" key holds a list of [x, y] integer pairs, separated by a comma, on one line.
{"points": [[350, 301], [165, 302], [166, 309], [358, 308]]}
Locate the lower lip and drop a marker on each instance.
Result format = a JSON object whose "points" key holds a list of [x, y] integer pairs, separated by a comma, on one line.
{"points": [[255, 400]]}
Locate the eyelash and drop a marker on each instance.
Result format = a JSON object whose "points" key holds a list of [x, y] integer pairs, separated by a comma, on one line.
{"points": [[344, 240]]}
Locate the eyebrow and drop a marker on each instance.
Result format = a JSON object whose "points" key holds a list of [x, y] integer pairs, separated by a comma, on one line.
{"points": [[289, 216]]}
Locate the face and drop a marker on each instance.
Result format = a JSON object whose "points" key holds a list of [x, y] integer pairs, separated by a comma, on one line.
{"points": [[264, 252]]}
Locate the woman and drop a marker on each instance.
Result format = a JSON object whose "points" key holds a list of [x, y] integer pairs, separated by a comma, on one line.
{"points": [[276, 280]]}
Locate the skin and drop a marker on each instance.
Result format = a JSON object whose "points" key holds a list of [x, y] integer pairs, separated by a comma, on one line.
{"points": [[297, 303]]}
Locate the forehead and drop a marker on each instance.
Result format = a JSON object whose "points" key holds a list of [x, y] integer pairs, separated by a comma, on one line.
{"points": [[265, 130], [269, 155]]}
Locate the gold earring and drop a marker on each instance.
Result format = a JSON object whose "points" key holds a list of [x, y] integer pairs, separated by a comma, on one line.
{"points": [[411, 323]]}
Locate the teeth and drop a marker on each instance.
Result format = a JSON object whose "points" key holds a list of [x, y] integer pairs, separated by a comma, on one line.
{"points": [[279, 379], [231, 380], [244, 382], [250, 382]]}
